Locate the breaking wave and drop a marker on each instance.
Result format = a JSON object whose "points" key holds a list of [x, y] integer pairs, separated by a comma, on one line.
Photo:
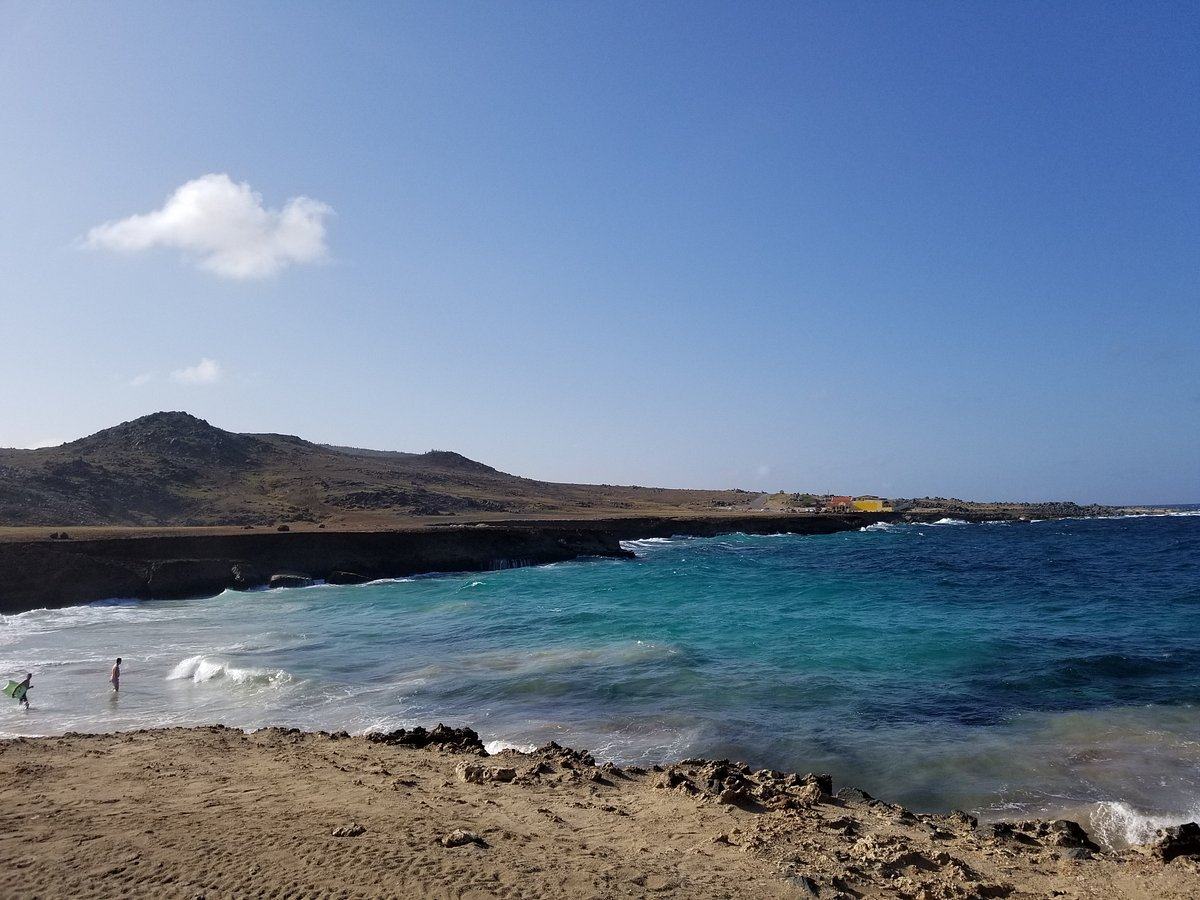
{"points": [[498, 746], [1116, 824], [201, 669], [881, 526]]}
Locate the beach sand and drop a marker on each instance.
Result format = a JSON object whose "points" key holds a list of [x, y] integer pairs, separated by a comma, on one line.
{"points": [[215, 812]]}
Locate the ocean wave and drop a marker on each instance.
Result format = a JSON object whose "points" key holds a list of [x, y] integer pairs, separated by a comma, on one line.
{"points": [[948, 522], [201, 669], [881, 526], [639, 546], [1116, 824], [645, 542], [99, 613], [499, 746], [1155, 515]]}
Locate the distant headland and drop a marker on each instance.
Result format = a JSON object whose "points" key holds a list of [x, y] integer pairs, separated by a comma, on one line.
{"points": [[168, 505]]}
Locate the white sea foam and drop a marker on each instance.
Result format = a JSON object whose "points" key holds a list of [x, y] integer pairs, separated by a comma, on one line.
{"points": [[201, 669], [645, 542], [639, 546], [880, 526], [500, 746], [1115, 823], [948, 522]]}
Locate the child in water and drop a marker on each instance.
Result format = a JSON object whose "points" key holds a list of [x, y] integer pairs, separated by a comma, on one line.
{"points": [[114, 677]]}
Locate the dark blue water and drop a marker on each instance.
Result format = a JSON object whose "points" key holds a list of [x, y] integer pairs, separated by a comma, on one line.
{"points": [[1047, 667]]}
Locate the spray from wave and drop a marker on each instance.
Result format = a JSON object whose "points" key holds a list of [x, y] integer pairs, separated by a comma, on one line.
{"points": [[201, 669], [1116, 824], [499, 746], [880, 526]]}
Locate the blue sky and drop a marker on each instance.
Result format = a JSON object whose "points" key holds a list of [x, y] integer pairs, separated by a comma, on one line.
{"points": [[907, 248]]}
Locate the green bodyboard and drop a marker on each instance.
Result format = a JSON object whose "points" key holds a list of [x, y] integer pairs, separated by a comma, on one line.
{"points": [[16, 690]]}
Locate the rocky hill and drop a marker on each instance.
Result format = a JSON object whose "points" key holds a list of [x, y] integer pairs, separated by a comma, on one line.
{"points": [[171, 468]]}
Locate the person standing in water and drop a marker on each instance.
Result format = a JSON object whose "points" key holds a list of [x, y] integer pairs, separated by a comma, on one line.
{"points": [[21, 693], [114, 676]]}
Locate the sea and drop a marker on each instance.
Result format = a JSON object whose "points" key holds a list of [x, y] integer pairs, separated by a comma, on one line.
{"points": [[1009, 669]]}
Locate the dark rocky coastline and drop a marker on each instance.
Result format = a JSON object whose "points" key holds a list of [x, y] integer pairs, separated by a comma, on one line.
{"points": [[57, 572], [61, 571]]}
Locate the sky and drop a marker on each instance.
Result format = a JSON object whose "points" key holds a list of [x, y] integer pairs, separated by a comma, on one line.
{"points": [[907, 248]]}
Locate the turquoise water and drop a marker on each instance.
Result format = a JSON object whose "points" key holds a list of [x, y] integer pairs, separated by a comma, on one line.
{"points": [[1009, 669]]}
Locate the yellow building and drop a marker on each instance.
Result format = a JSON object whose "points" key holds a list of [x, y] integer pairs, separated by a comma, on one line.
{"points": [[869, 504]]}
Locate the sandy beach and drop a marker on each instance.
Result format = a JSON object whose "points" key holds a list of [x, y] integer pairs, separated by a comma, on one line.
{"points": [[217, 812]]}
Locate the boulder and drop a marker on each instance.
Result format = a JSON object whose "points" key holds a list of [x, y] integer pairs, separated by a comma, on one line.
{"points": [[963, 818], [443, 737], [994, 831], [351, 830], [476, 774], [460, 838], [675, 780], [1178, 840], [854, 794], [1065, 833], [822, 781], [565, 755], [809, 794]]}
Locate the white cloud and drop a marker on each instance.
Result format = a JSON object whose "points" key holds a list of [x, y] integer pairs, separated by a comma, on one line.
{"points": [[139, 380], [207, 371], [225, 226]]}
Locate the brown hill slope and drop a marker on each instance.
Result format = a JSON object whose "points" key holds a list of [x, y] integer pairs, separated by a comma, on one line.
{"points": [[171, 468]]}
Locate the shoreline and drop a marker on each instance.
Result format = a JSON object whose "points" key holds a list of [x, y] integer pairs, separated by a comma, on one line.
{"points": [[43, 573], [182, 811], [38, 572]]}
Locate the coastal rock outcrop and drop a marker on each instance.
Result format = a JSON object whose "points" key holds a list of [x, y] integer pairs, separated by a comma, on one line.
{"points": [[442, 737], [476, 774], [1061, 833], [735, 784], [1178, 840], [52, 573]]}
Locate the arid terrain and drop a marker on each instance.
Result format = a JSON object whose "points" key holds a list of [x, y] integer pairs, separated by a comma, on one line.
{"points": [[171, 470], [215, 812]]}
